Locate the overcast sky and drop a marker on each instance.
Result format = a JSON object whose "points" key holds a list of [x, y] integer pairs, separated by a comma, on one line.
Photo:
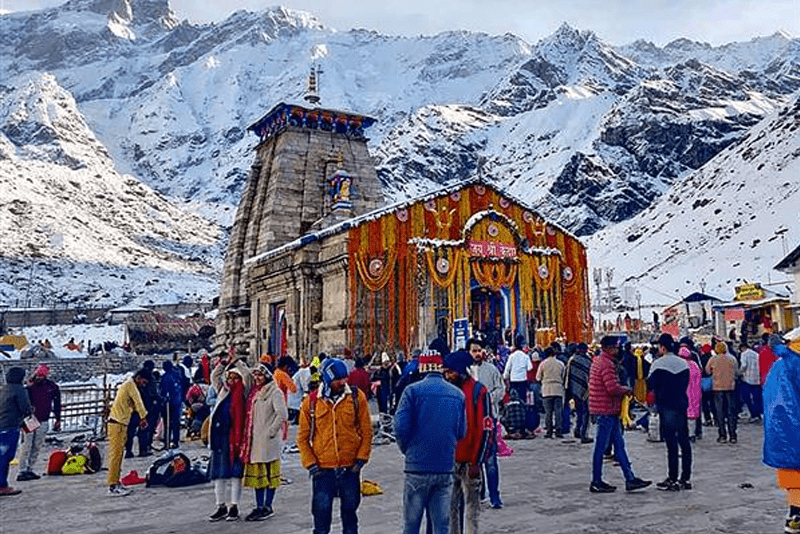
{"points": [[615, 21]]}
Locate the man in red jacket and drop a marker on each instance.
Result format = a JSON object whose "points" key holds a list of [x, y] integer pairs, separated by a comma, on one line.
{"points": [[472, 450], [605, 402]]}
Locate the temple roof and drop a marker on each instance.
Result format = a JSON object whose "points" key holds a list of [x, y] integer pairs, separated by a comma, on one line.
{"points": [[375, 214], [284, 115]]}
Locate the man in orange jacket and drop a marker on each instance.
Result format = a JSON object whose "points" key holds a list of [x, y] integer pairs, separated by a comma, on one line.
{"points": [[335, 442]]}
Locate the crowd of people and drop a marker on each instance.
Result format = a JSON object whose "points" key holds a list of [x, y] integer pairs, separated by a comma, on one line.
{"points": [[478, 395]]}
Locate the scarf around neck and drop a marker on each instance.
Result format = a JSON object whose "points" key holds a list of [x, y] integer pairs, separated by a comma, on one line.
{"points": [[237, 413], [247, 446]]}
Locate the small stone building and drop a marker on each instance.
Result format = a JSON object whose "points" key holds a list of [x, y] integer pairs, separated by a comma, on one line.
{"points": [[317, 263]]}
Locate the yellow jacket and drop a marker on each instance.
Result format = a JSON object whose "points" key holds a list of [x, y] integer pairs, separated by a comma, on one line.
{"points": [[127, 400], [338, 439]]}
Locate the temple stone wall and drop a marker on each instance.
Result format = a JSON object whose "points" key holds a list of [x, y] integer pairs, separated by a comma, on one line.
{"points": [[284, 199]]}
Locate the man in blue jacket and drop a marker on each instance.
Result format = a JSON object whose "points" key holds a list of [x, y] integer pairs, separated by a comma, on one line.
{"points": [[428, 424]]}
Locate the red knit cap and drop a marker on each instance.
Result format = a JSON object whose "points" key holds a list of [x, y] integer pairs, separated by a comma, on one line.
{"points": [[430, 361]]}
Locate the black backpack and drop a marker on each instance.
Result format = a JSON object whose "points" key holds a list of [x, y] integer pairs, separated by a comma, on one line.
{"points": [[169, 465]]}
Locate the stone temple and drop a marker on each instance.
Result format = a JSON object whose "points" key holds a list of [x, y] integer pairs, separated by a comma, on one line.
{"points": [[317, 261]]}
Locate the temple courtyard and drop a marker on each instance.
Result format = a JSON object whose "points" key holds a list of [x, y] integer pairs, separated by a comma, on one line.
{"points": [[544, 487]]}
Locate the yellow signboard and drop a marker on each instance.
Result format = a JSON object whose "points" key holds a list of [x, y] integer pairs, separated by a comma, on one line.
{"points": [[749, 292]]}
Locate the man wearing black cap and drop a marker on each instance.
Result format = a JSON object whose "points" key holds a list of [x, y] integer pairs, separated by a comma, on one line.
{"points": [[605, 401], [473, 448], [669, 379]]}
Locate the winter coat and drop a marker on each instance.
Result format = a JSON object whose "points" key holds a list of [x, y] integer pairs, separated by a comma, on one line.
{"points": [[471, 448], [695, 391], [723, 368], [339, 440], [551, 375], [782, 411], [578, 368], [430, 420], [488, 375], [605, 390], [218, 383], [269, 413], [46, 399], [15, 405], [669, 379]]}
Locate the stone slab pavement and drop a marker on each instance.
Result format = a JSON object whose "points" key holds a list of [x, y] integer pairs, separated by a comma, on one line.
{"points": [[544, 486]]}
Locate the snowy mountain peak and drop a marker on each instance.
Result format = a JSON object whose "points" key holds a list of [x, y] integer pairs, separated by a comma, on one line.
{"points": [[41, 119], [128, 11]]}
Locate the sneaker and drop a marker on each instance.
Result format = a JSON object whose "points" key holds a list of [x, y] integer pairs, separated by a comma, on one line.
{"points": [[220, 514], [669, 485], [8, 490], [732, 440], [587, 440], [665, 484], [722, 439], [268, 512], [601, 487], [792, 525], [685, 485], [233, 513], [636, 484], [497, 505], [118, 490], [256, 515]]}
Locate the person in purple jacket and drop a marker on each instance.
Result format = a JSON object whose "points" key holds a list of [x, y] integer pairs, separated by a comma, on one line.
{"points": [[46, 399]]}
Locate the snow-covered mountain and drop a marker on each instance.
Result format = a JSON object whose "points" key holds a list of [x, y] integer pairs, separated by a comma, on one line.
{"points": [[589, 133], [719, 226]]}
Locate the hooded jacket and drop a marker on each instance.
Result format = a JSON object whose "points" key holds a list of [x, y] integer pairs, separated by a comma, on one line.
{"points": [[15, 405], [339, 439], [782, 411]]}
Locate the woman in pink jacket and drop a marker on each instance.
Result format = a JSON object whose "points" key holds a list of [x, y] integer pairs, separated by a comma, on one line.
{"points": [[694, 391]]}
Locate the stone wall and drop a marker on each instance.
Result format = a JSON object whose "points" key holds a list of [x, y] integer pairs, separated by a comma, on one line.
{"points": [[82, 369], [284, 199], [22, 317]]}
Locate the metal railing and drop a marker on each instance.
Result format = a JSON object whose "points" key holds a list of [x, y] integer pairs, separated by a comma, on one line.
{"points": [[84, 407]]}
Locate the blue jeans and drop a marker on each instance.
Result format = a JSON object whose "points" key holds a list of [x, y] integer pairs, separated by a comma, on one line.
{"points": [[753, 398], [581, 418], [609, 430], [725, 404], [566, 413], [492, 478], [172, 430], [552, 410], [427, 493], [675, 431], [9, 437], [330, 483]]}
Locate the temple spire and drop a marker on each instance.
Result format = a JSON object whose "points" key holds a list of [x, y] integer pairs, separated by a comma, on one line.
{"points": [[312, 89]]}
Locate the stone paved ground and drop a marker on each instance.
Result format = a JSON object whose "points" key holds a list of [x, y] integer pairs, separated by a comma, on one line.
{"points": [[544, 486]]}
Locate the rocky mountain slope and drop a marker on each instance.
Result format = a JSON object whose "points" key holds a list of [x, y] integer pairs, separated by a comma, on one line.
{"points": [[589, 133], [724, 225]]}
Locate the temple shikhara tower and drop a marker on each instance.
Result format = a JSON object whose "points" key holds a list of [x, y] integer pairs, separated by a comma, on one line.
{"points": [[317, 262]]}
